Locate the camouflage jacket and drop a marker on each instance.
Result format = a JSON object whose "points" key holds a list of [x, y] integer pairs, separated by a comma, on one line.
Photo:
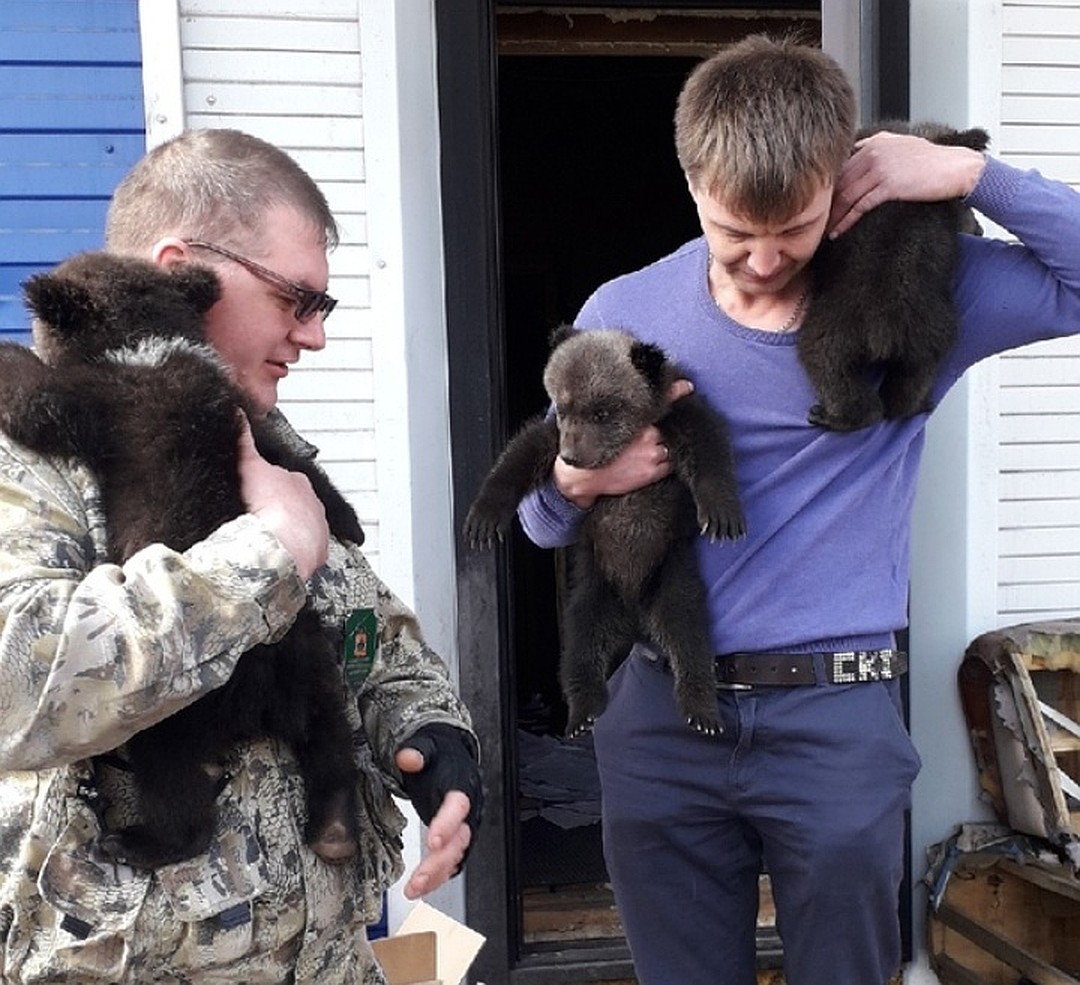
{"points": [[91, 653]]}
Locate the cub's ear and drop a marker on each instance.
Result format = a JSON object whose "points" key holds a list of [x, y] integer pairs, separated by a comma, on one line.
{"points": [[560, 334], [976, 138], [199, 285], [649, 361], [61, 303]]}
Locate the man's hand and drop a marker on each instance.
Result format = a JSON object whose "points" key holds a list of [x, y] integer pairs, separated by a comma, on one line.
{"points": [[442, 778], [644, 461], [894, 166], [287, 503]]}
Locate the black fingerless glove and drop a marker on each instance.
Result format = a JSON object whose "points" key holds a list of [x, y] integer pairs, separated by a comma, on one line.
{"points": [[449, 764]]}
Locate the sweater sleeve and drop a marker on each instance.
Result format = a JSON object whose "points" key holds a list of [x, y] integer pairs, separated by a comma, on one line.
{"points": [[1008, 293]]}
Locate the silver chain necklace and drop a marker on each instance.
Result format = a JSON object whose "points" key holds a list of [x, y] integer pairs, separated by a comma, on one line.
{"points": [[802, 302]]}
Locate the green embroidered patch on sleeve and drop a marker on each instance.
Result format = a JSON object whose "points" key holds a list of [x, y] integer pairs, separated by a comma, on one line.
{"points": [[360, 643]]}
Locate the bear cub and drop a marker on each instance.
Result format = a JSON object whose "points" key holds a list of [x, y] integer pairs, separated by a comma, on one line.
{"points": [[126, 383], [634, 573], [882, 317]]}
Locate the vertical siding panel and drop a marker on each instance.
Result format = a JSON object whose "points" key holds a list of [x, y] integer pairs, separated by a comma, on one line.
{"points": [[290, 73], [1039, 444], [71, 124]]}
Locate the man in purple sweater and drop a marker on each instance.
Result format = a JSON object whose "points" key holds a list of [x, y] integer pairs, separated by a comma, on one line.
{"points": [[813, 772]]}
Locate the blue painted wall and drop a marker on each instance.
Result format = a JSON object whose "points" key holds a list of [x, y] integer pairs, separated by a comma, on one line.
{"points": [[71, 124]]}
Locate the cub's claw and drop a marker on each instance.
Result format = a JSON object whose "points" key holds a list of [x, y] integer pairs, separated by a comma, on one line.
{"points": [[581, 728], [706, 726]]}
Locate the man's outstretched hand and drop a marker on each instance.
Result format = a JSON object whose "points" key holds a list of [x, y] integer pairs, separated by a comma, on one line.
{"points": [[441, 775]]}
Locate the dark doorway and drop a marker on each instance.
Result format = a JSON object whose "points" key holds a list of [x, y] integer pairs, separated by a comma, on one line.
{"points": [[590, 189]]}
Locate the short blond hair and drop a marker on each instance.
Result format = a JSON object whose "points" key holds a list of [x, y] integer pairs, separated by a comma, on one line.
{"points": [[763, 124], [213, 184]]}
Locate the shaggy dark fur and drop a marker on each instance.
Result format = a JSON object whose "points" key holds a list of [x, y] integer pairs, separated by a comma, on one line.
{"points": [[129, 386], [634, 573], [882, 315]]}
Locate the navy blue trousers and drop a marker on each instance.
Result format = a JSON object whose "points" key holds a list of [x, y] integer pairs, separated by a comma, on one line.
{"points": [[813, 781]]}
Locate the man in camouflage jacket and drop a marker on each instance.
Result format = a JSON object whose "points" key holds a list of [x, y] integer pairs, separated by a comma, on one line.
{"points": [[92, 652]]}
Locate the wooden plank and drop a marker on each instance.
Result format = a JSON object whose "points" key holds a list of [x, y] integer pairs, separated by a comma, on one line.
{"points": [[1040, 21], [332, 68], [1044, 370], [1040, 78], [311, 417], [39, 98], [341, 352], [57, 230], [1053, 428], [1054, 883], [1033, 138], [1061, 568], [321, 135], [1044, 513], [1039, 598], [1039, 971], [70, 45], [1056, 484], [1049, 541], [1036, 398], [286, 9], [1062, 166], [952, 972], [342, 446], [1024, 50], [266, 33], [1041, 108], [66, 30], [1068, 345], [274, 97], [45, 164], [333, 385]]}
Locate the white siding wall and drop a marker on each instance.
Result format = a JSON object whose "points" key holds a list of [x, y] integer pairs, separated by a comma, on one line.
{"points": [[291, 73], [1039, 423]]}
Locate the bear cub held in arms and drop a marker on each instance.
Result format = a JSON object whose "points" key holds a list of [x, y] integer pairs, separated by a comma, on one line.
{"points": [[881, 317], [633, 574], [127, 384]]}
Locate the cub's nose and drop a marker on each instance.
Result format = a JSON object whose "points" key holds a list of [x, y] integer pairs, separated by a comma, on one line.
{"points": [[572, 460]]}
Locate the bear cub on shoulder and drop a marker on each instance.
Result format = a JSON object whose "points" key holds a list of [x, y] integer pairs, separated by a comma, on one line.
{"points": [[634, 574], [882, 317], [127, 384]]}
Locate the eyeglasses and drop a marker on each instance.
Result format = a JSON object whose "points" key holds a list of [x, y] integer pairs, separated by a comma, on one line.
{"points": [[309, 303]]}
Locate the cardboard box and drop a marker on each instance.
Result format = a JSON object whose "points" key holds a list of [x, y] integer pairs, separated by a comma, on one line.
{"points": [[429, 948]]}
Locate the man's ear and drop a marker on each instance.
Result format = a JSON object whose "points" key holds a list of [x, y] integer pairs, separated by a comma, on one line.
{"points": [[169, 251]]}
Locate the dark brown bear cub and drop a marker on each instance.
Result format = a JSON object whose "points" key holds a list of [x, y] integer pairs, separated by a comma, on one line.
{"points": [[127, 384], [881, 318], [634, 573]]}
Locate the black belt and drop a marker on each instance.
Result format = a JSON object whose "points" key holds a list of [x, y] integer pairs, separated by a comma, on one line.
{"points": [[739, 671]]}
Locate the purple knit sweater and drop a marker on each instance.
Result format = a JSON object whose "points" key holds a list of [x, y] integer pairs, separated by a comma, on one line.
{"points": [[825, 562]]}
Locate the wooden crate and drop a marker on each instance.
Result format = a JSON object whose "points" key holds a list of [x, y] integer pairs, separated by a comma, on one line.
{"points": [[1001, 923]]}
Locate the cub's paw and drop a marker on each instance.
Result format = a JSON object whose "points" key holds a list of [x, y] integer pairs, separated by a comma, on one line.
{"points": [[697, 704], [575, 729], [483, 528], [844, 420], [332, 835], [721, 519]]}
